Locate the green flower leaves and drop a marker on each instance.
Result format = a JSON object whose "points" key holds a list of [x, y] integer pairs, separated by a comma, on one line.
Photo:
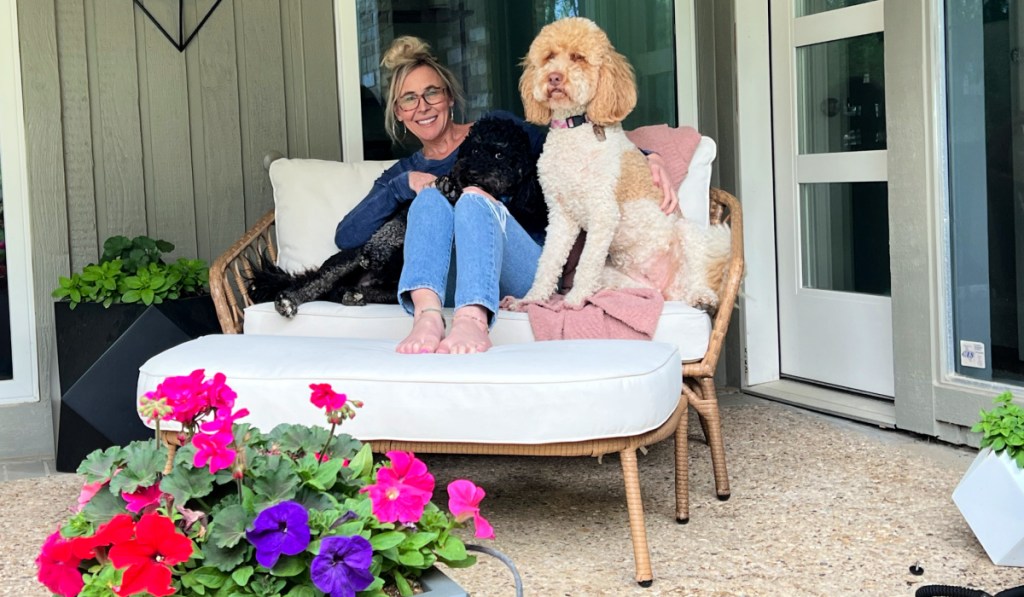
{"points": [[1002, 428], [132, 271]]}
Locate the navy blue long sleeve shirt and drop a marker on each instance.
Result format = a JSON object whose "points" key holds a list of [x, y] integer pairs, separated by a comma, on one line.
{"points": [[391, 189]]}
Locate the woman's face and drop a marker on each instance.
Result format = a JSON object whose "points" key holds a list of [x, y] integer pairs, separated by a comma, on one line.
{"points": [[424, 120]]}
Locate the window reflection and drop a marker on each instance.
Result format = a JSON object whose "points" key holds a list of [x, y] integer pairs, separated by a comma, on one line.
{"points": [[841, 95], [810, 7], [844, 237], [483, 42], [985, 131]]}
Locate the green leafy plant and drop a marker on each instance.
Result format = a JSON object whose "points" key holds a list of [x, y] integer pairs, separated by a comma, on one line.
{"points": [[133, 271], [136, 253], [225, 509], [1002, 428]]}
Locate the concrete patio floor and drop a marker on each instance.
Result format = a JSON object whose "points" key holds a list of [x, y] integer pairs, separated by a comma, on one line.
{"points": [[820, 506]]}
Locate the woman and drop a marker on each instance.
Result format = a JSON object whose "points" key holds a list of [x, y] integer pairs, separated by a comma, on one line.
{"points": [[494, 255]]}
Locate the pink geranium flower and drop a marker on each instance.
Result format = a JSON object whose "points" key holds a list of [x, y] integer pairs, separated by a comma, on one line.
{"points": [[464, 502], [89, 490], [213, 449], [402, 490], [325, 397], [143, 498], [218, 395], [184, 394], [223, 422]]}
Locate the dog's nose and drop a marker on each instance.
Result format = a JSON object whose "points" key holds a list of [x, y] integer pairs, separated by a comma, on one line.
{"points": [[555, 79]]}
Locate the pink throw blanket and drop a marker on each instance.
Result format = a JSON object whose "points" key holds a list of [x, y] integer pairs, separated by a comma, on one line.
{"points": [[676, 145], [628, 313]]}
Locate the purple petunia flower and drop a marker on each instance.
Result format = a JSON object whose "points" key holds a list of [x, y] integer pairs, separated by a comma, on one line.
{"points": [[342, 566], [279, 529]]}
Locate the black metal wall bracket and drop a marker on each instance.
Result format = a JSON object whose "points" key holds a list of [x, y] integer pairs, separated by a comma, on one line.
{"points": [[181, 42]]}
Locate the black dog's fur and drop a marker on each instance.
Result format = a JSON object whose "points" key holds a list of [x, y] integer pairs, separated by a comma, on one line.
{"points": [[495, 156]]}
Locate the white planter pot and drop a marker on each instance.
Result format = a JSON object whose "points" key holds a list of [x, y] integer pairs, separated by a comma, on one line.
{"points": [[991, 498]]}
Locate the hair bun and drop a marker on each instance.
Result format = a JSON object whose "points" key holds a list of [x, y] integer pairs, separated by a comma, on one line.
{"points": [[405, 50]]}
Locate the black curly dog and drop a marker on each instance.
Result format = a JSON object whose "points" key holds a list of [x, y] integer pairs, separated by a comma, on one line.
{"points": [[495, 156]]}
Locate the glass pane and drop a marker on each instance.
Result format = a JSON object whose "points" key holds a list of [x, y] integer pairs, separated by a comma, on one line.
{"points": [[483, 41], [841, 95], [810, 7], [6, 365], [985, 99], [844, 232]]}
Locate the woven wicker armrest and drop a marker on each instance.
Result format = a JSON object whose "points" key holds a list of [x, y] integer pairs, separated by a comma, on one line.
{"points": [[725, 208], [229, 273]]}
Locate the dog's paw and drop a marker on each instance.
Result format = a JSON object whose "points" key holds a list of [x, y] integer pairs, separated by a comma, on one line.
{"points": [[576, 296], [353, 298], [286, 306], [706, 300]]}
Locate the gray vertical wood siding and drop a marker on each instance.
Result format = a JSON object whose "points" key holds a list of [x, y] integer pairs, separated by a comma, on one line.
{"points": [[126, 135], [165, 143]]}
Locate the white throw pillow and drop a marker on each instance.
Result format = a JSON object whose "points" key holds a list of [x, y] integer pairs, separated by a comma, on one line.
{"points": [[310, 198], [693, 192]]}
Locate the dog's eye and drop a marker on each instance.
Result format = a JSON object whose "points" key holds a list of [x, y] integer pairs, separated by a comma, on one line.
{"points": [[549, 57], [577, 57], [497, 155]]}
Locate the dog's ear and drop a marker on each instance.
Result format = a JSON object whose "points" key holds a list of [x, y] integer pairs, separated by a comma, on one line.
{"points": [[615, 96], [535, 112]]}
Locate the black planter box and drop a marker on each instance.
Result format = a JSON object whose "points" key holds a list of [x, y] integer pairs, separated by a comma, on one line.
{"points": [[99, 352]]}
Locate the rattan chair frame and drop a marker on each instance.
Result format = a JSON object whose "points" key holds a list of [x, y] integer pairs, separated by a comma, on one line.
{"points": [[227, 285]]}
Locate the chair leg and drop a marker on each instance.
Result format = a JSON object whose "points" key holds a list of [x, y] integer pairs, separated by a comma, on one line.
{"points": [[683, 466], [707, 407], [635, 508]]}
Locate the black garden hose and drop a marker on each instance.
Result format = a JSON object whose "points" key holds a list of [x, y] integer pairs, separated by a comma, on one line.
{"points": [[949, 591], [504, 560]]}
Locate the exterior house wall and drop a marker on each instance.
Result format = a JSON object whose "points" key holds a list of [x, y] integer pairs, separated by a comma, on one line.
{"points": [[126, 135]]}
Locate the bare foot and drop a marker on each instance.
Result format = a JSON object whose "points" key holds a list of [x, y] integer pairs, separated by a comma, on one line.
{"points": [[426, 334], [469, 334]]}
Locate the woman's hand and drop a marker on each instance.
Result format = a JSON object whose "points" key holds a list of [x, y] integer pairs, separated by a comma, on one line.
{"points": [[659, 174], [420, 180]]}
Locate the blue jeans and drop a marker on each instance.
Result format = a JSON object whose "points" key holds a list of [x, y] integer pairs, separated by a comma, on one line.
{"points": [[494, 256]]}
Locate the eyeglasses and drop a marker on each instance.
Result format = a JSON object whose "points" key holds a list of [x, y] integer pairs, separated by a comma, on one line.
{"points": [[432, 95]]}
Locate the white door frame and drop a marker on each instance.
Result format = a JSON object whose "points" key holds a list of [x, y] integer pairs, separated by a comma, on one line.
{"points": [[755, 184], [24, 386], [346, 37]]}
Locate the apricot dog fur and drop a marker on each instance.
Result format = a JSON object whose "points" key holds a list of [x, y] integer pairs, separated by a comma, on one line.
{"points": [[595, 179]]}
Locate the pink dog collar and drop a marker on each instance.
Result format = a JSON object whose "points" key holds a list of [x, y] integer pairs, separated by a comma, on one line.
{"points": [[570, 122]]}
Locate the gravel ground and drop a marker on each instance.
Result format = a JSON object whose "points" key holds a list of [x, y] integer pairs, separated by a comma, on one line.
{"points": [[819, 507]]}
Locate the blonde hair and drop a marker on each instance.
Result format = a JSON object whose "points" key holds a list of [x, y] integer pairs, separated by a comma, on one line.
{"points": [[405, 54]]}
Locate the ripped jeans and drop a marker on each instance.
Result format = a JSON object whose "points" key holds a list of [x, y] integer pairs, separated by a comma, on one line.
{"points": [[493, 256]]}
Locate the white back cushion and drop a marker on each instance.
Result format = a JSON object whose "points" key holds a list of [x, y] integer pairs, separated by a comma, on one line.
{"points": [[693, 192], [310, 198]]}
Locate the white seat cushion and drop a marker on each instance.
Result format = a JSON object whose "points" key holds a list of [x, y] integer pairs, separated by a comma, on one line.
{"points": [[536, 393], [688, 328]]}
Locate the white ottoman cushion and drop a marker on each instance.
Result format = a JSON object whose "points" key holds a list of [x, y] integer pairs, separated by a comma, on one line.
{"points": [[535, 393], [680, 324]]}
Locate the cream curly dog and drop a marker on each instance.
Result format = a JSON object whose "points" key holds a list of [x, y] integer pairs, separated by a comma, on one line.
{"points": [[595, 179]]}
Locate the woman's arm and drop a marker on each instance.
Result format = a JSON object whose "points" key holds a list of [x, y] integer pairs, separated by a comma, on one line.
{"points": [[389, 191]]}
